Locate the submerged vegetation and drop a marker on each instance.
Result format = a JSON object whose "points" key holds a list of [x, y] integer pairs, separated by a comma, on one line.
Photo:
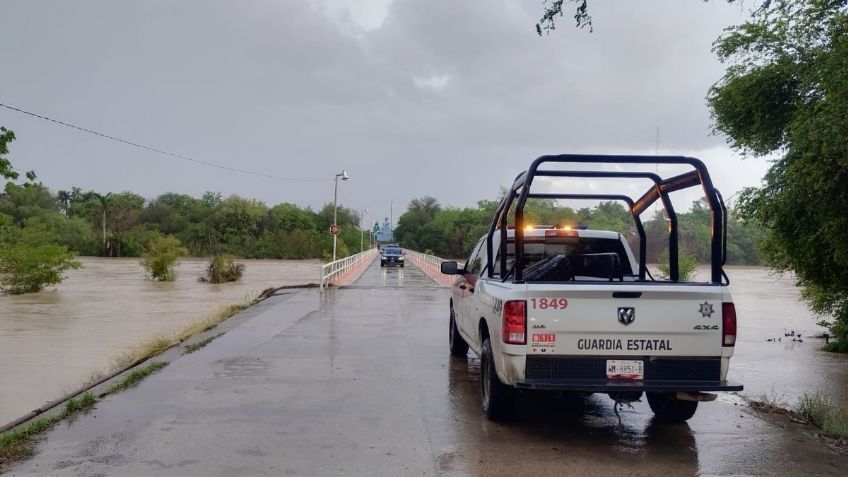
{"points": [[222, 269], [162, 257]]}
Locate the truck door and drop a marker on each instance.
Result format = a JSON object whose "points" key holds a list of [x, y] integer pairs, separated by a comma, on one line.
{"points": [[467, 285]]}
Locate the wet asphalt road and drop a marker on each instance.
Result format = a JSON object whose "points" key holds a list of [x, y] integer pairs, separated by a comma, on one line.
{"points": [[360, 382]]}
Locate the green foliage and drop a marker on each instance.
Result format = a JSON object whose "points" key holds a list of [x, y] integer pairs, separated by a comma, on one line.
{"points": [[200, 344], [162, 257], [28, 263], [453, 232], [75, 405], [19, 443], [686, 265], [136, 375], [222, 269], [785, 93]]}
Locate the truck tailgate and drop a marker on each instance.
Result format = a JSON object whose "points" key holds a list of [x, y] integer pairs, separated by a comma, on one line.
{"points": [[606, 319]]}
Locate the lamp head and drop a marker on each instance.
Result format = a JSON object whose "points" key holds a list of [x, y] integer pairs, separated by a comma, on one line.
{"points": [[343, 175]]}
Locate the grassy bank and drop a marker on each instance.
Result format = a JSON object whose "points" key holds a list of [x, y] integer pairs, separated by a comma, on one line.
{"points": [[814, 409], [19, 443]]}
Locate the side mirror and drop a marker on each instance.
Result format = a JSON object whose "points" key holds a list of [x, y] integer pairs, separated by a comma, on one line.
{"points": [[450, 268]]}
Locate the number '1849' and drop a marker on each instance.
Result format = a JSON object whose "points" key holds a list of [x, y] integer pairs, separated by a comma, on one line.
{"points": [[545, 303]]}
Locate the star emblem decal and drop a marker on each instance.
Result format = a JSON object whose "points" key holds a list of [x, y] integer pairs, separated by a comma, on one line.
{"points": [[706, 310]]}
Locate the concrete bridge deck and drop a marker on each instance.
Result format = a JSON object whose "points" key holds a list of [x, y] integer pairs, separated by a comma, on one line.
{"points": [[360, 382]]}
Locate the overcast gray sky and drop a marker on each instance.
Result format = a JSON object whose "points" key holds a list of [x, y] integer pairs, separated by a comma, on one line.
{"points": [[449, 98]]}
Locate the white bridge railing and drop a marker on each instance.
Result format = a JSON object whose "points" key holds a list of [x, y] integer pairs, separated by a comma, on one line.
{"points": [[430, 265], [427, 259], [334, 271]]}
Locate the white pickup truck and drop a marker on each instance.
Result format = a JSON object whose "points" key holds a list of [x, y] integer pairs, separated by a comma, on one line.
{"points": [[571, 309]]}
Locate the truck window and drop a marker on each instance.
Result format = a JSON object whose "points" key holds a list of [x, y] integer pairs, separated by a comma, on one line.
{"points": [[475, 259], [568, 258]]}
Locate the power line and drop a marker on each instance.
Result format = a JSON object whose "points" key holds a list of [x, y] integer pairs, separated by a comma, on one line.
{"points": [[159, 151]]}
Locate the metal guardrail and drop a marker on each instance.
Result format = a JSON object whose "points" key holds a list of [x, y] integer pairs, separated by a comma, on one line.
{"points": [[431, 265], [430, 259], [332, 271]]}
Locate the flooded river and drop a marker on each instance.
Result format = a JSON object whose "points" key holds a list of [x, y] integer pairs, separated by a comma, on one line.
{"points": [[53, 341], [766, 305]]}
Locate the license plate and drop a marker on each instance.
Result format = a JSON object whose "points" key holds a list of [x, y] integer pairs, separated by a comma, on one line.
{"points": [[625, 369]]}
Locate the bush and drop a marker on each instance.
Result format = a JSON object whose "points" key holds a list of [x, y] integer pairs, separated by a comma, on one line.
{"points": [[28, 268], [686, 265], [221, 269], [814, 408], [162, 256]]}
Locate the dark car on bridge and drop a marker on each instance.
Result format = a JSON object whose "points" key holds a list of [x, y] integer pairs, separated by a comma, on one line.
{"points": [[392, 256]]}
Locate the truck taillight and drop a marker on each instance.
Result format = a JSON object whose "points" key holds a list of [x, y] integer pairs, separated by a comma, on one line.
{"points": [[728, 329], [515, 322]]}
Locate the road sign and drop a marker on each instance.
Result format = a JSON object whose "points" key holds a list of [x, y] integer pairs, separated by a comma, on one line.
{"points": [[335, 229]]}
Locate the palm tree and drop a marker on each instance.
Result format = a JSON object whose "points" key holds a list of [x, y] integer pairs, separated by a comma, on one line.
{"points": [[63, 198], [104, 204]]}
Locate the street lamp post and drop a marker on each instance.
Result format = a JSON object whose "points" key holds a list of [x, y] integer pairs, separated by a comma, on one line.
{"points": [[344, 176], [361, 230]]}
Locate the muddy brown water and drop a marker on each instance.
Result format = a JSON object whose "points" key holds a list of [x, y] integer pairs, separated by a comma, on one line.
{"points": [[51, 342]]}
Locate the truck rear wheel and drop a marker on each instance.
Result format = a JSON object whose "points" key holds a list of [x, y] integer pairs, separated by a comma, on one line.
{"points": [[458, 346], [667, 408], [496, 397]]}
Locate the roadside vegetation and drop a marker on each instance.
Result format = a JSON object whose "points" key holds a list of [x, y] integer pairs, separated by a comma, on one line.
{"points": [[784, 97], [19, 443], [222, 269], [200, 344], [133, 377], [814, 409]]}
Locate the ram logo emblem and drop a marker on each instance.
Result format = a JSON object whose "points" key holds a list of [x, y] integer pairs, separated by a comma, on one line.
{"points": [[626, 315]]}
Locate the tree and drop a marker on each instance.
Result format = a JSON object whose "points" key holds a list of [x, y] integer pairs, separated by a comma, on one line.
{"points": [[63, 200], [30, 260], [6, 171], [124, 211], [102, 202], [582, 19], [785, 94], [162, 257]]}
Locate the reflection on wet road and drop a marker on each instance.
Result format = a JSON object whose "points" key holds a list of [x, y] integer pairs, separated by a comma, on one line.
{"points": [[359, 382]]}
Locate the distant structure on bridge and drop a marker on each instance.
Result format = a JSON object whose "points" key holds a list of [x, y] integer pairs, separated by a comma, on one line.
{"points": [[384, 232]]}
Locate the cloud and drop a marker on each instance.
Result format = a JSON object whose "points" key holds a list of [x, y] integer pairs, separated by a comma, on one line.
{"points": [[307, 88], [363, 15], [433, 83]]}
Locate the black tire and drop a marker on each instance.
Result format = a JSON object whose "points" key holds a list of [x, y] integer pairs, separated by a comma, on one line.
{"points": [[458, 346], [495, 396], [382, 264], [667, 408]]}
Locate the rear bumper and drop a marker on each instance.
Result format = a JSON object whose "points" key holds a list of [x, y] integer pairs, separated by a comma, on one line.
{"points": [[607, 386]]}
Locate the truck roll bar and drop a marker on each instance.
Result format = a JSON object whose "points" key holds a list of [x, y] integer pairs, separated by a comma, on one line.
{"points": [[660, 190]]}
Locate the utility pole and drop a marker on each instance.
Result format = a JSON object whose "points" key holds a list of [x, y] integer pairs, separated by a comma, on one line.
{"points": [[361, 230], [344, 176]]}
